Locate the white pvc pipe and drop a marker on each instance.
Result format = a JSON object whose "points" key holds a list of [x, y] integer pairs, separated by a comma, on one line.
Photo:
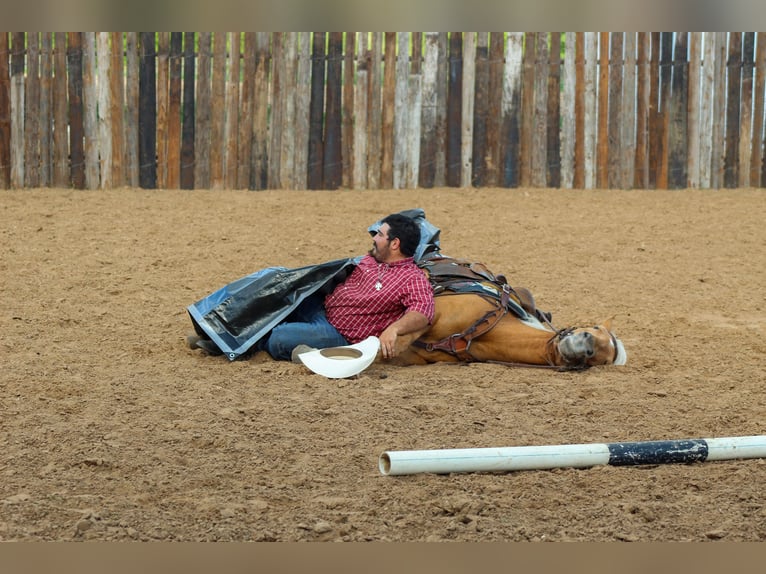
{"points": [[573, 455]]}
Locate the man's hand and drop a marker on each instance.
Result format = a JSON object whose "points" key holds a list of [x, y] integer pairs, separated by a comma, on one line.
{"points": [[409, 323]]}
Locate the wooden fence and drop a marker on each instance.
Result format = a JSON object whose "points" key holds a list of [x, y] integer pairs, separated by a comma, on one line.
{"points": [[286, 110]]}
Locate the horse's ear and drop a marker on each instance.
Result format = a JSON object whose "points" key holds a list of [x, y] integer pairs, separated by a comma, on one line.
{"points": [[608, 323]]}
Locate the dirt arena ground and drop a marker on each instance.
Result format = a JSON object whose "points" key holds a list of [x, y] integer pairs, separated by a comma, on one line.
{"points": [[112, 429]]}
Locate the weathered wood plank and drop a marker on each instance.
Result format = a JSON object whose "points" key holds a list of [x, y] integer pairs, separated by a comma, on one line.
{"points": [[466, 123], [131, 109], [276, 119], [527, 108], [746, 110], [90, 111], [641, 166], [231, 123], [302, 105], [428, 141], [553, 115], [734, 72], [347, 119], [719, 111], [174, 112], [678, 121], [32, 112], [116, 112], [74, 68], [105, 110], [454, 108], [415, 109], [374, 112], [401, 110], [628, 114], [247, 108], [60, 113], [389, 110], [655, 120], [492, 163], [666, 69], [359, 163], [218, 112], [260, 161], [442, 84], [287, 153], [693, 109], [46, 106], [540, 130], [316, 119], [17, 108], [163, 74], [578, 170], [591, 108], [5, 113], [602, 152], [511, 114], [568, 100], [203, 117], [189, 113], [333, 150], [147, 114], [706, 110], [756, 153], [480, 111]]}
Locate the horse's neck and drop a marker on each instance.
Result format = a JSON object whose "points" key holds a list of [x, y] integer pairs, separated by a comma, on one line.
{"points": [[531, 343]]}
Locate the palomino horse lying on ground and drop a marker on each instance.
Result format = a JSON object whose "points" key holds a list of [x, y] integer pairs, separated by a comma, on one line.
{"points": [[479, 317]]}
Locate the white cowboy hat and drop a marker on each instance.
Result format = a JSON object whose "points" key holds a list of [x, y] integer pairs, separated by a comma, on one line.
{"points": [[342, 362]]}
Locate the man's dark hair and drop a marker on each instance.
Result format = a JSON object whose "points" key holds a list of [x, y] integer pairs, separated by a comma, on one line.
{"points": [[406, 230]]}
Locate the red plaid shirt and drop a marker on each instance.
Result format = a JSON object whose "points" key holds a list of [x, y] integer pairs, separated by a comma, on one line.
{"points": [[357, 309]]}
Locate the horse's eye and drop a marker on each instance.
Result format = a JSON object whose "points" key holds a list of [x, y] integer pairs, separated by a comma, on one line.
{"points": [[597, 327]]}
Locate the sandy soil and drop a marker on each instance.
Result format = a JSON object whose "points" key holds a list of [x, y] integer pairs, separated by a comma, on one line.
{"points": [[112, 429]]}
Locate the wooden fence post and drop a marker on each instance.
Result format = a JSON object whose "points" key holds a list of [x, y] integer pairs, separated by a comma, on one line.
{"points": [[359, 134], [131, 109], [231, 121], [466, 127], [287, 142], [666, 70], [693, 110], [174, 112], [454, 108], [202, 110], [260, 161], [105, 123], [719, 111], [415, 110], [553, 115], [641, 167], [511, 111], [428, 141], [46, 103], [163, 73], [591, 108], [5, 113], [90, 111], [347, 116], [602, 152], [678, 119], [540, 125], [568, 102], [756, 157], [706, 110], [147, 114], [746, 110], [628, 115], [374, 113], [60, 112], [302, 106], [17, 109], [333, 146], [731, 152], [32, 112], [527, 108], [189, 112], [218, 111], [401, 110], [479, 162], [116, 101], [77, 156]]}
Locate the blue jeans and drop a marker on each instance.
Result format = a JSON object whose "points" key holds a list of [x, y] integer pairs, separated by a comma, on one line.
{"points": [[307, 325]]}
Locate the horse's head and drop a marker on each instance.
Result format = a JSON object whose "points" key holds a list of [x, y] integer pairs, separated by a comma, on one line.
{"points": [[590, 346]]}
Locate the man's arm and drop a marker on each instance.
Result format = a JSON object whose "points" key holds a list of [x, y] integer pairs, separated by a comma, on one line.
{"points": [[410, 322]]}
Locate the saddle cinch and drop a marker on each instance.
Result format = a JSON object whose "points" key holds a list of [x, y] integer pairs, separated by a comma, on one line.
{"points": [[449, 275]]}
